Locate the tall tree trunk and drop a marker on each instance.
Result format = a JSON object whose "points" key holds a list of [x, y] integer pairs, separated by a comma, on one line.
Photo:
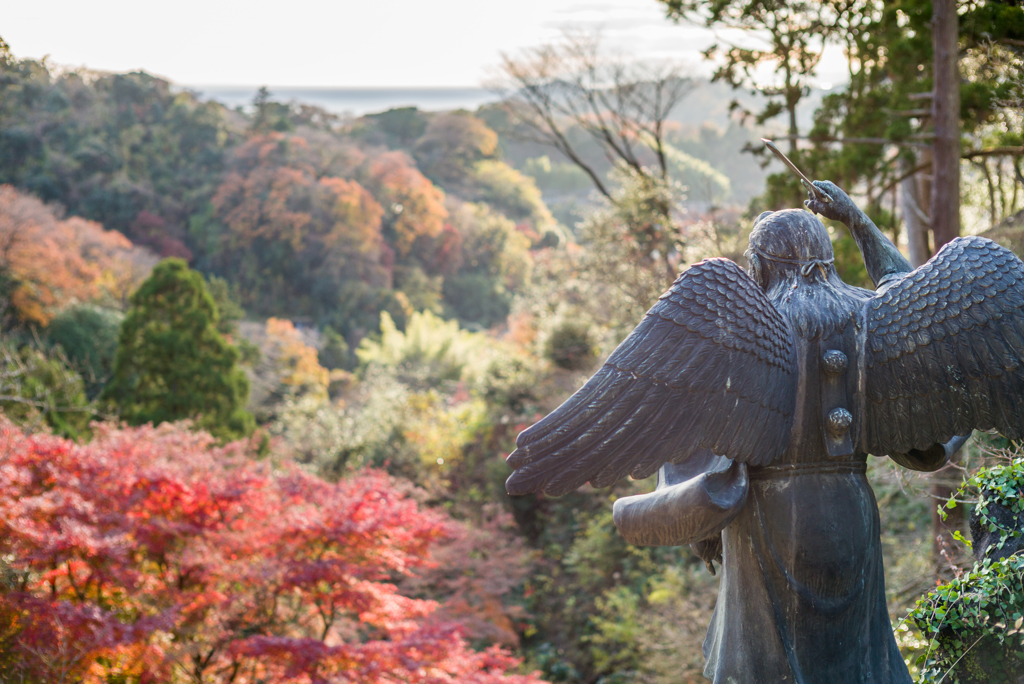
{"points": [[794, 131], [792, 95], [945, 213], [924, 184], [945, 204], [912, 201]]}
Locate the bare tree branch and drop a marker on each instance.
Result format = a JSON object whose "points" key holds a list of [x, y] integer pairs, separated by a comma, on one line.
{"points": [[994, 152], [621, 105]]}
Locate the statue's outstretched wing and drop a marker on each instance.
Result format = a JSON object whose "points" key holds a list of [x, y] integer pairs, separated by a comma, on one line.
{"points": [[712, 365], [944, 352]]}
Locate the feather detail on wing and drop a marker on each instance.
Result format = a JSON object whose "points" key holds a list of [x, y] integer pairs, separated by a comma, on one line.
{"points": [[945, 350], [711, 366]]}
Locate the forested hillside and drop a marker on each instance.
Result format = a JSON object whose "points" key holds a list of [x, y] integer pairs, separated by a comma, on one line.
{"points": [[260, 367], [403, 291], [307, 216]]}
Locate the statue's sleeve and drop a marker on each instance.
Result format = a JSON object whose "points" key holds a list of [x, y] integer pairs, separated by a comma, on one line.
{"points": [[691, 503], [944, 355], [931, 459]]}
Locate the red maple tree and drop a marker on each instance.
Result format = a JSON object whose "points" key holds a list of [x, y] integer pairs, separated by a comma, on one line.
{"points": [[151, 555]]}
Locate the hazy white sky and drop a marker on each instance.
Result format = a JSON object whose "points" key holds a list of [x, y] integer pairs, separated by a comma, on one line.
{"points": [[384, 43]]}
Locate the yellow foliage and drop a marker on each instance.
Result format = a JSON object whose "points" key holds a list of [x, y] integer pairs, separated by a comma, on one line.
{"points": [[440, 433], [428, 340], [296, 361], [492, 241], [512, 193]]}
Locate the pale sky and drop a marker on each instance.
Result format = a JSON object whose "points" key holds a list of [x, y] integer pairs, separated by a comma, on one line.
{"points": [[379, 43]]}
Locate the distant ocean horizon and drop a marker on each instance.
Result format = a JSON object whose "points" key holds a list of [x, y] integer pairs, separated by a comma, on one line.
{"points": [[355, 101]]}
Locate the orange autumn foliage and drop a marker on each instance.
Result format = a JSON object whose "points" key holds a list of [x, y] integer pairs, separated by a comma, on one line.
{"points": [[274, 192], [297, 361], [258, 198], [292, 231], [356, 209], [416, 204], [258, 205], [53, 261], [288, 363]]}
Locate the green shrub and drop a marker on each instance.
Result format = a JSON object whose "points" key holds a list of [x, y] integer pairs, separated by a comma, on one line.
{"points": [[510, 383], [477, 299], [335, 352], [571, 345], [973, 625], [495, 264], [337, 438], [38, 388], [88, 337]]}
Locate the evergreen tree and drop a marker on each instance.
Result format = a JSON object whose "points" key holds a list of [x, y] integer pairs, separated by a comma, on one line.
{"points": [[172, 363]]}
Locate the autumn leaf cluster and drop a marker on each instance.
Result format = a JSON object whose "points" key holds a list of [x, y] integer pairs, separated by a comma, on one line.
{"points": [[153, 555], [46, 261]]}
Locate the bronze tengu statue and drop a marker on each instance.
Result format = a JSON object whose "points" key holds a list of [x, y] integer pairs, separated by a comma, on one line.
{"points": [[759, 398]]}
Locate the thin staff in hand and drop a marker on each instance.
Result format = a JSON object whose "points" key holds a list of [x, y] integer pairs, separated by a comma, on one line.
{"points": [[811, 188]]}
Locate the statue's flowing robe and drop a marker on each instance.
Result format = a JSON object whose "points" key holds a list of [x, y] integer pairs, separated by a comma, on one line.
{"points": [[802, 593]]}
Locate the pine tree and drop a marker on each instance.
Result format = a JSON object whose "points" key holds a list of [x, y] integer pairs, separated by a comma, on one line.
{"points": [[171, 361]]}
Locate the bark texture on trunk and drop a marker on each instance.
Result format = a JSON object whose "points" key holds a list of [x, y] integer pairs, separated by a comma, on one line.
{"points": [[945, 201], [945, 211], [914, 204]]}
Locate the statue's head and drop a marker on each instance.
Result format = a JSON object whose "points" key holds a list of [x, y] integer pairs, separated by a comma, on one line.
{"points": [[788, 243]]}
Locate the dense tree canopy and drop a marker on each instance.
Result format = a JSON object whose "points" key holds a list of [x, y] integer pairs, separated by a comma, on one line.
{"points": [[294, 240], [303, 214], [121, 149], [87, 335], [451, 143]]}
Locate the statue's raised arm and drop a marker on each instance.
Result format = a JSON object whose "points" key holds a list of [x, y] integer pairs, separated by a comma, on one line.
{"points": [[943, 344], [882, 259]]}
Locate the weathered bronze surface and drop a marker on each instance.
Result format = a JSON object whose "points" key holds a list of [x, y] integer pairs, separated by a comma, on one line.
{"points": [[757, 399]]}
